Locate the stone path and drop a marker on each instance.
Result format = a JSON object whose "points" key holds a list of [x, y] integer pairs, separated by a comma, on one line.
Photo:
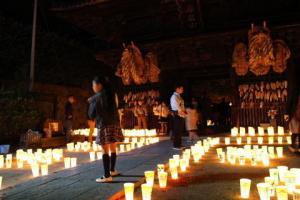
{"points": [[79, 182]]}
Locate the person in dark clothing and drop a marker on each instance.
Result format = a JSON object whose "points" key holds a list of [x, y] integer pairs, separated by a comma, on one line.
{"points": [[103, 110], [68, 123]]}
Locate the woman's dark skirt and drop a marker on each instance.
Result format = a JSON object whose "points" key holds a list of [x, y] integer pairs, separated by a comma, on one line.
{"points": [[109, 134]]}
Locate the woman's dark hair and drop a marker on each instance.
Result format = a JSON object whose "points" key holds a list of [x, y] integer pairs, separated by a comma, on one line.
{"points": [[109, 90]]}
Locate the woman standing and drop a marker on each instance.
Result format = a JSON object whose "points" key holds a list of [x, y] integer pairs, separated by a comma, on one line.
{"points": [[103, 109], [191, 123]]}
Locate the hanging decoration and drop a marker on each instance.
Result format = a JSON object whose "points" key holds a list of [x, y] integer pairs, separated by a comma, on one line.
{"points": [[133, 68], [263, 53]]}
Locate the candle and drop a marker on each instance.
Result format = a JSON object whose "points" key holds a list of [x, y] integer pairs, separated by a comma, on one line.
{"points": [[227, 140], [279, 151], [261, 131], [280, 130], [263, 191], [70, 146], [296, 194], [92, 156], [44, 169], [174, 173], [99, 155], [238, 140], [289, 139], [281, 171], [270, 181], [177, 159], [73, 162], [182, 165], [196, 157], [296, 171], [19, 163], [122, 148], [260, 140], [271, 140], [67, 162], [251, 131], [149, 177], [266, 159], [270, 130], [282, 193], [290, 181], [1, 179], [8, 161], [271, 152], [234, 131], [162, 178], [242, 131], [245, 185], [249, 140], [274, 174], [279, 140], [146, 191], [128, 147], [160, 168], [35, 170], [129, 191], [1, 161]]}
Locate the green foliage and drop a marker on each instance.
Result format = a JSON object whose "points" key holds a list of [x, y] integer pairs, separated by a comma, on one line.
{"points": [[18, 113]]}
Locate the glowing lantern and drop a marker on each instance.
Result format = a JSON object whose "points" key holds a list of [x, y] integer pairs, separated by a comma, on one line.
{"points": [[261, 131], [242, 131], [282, 170], [274, 174], [1, 179], [99, 155], [251, 131], [19, 163], [177, 160], [146, 191], [172, 163], [92, 156], [67, 162], [35, 168], [249, 140], [129, 191], [263, 191], [280, 130], [160, 168], [126, 140], [296, 171], [266, 159], [279, 151], [1, 161], [289, 139], [270, 181], [227, 140], [132, 145], [279, 140], [271, 152], [70, 146], [290, 181], [282, 193], [239, 140], [260, 140], [77, 147], [44, 169], [245, 185], [270, 130], [128, 147], [182, 165], [234, 131], [196, 157], [8, 161], [162, 178], [149, 177], [271, 140], [73, 162], [122, 148], [174, 173]]}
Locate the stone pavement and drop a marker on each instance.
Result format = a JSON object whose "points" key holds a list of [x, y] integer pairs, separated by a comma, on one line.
{"points": [[79, 182]]}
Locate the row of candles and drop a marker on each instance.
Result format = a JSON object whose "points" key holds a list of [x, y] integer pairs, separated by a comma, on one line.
{"points": [[255, 154], [126, 132], [261, 131], [280, 183], [260, 140], [178, 163]]}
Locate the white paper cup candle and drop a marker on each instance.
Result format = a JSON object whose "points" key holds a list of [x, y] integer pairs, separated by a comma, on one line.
{"points": [[182, 164], [160, 168], [249, 140], [279, 151], [92, 156], [289, 139], [73, 162], [274, 174], [67, 161], [99, 155], [282, 170], [245, 185], [174, 173], [279, 140], [282, 193], [129, 191], [1, 180], [1, 161], [35, 169], [239, 140], [270, 130], [162, 178], [242, 131], [271, 140], [260, 140], [227, 140], [149, 175], [8, 161], [263, 191], [44, 169], [146, 191], [270, 181], [261, 131]]}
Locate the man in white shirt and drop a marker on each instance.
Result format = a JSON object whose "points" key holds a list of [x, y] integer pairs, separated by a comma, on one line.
{"points": [[179, 113]]}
